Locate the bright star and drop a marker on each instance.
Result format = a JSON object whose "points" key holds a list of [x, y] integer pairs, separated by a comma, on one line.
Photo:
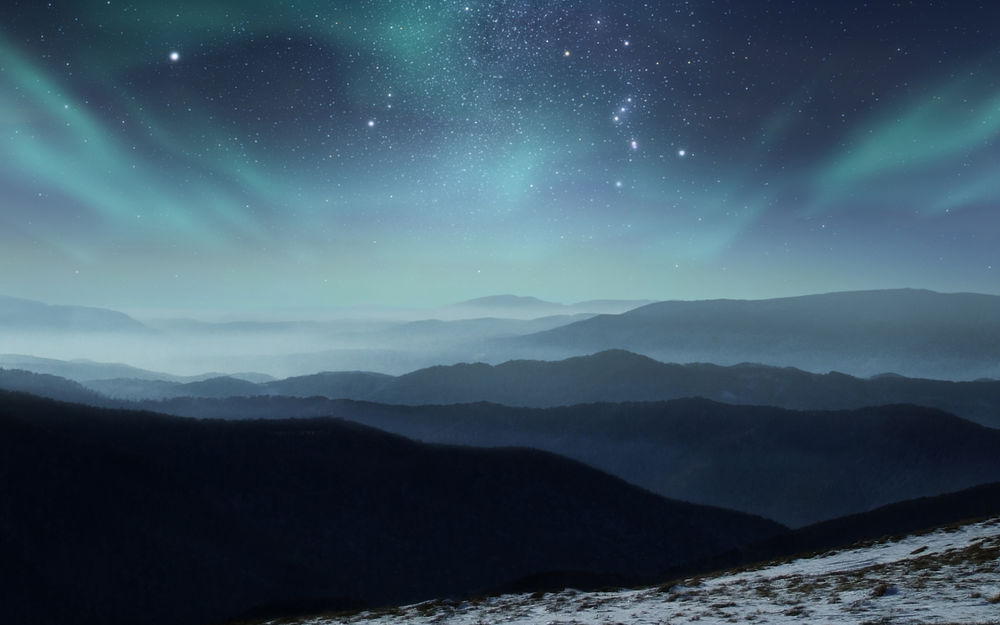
{"points": [[681, 152], [371, 123], [175, 56]]}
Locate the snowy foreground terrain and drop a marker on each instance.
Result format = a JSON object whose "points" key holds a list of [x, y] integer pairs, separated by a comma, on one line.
{"points": [[946, 576]]}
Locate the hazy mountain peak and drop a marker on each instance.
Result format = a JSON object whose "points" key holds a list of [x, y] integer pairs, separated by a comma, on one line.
{"points": [[917, 333], [508, 300], [25, 315]]}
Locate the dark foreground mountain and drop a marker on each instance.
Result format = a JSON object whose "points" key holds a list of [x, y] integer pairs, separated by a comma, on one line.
{"points": [[128, 517], [798, 467], [909, 332], [849, 462], [946, 575], [896, 519]]}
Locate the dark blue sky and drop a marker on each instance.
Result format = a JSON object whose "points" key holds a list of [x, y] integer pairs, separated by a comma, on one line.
{"points": [[234, 155]]}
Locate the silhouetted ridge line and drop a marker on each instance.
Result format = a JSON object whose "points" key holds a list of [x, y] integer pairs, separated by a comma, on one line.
{"points": [[608, 376], [798, 467], [130, 517]]}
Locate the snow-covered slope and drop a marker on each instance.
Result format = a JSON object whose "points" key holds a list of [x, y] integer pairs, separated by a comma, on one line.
{"points": [[950, 575]]}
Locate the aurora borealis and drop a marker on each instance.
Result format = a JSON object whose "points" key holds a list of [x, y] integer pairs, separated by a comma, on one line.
{"points": [[241, 155]]}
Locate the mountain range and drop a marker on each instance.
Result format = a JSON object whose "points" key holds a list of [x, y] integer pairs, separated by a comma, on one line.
{"points": [[500, 443], [797, 467], [125, 517], [907, 332], [82, 370], [523, 307], [678, 448], [904, 331], [29, 315], [118, 516], [610, 376]]}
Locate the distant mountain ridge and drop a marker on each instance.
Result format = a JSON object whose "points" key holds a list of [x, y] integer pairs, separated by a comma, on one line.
{"points": [[510, 301], [912, 332], [88, 370], [525, 307], [617, 376], [610, 376], [909, 332], [51, 387], [29, 315]]}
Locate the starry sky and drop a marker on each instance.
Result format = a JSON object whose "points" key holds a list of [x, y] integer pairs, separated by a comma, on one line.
{"points": [[244, 155]]}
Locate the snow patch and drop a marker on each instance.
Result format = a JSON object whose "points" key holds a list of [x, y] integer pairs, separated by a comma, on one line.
{"points": [[950, 575]]}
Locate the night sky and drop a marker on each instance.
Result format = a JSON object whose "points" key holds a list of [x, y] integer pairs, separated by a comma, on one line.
{"points": [[240, 154]]}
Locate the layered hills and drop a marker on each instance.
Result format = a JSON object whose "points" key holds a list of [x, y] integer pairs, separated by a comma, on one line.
{"points": [[565, 447], [904, 331], [912, 333], [797, 467], [610, 376], [126, 517]]}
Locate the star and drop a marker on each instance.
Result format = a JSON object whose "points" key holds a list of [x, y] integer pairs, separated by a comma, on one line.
{"points": [[477, 107]]}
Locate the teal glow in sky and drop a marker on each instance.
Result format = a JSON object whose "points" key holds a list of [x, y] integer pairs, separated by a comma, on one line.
{"points": [[235, 155]]}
